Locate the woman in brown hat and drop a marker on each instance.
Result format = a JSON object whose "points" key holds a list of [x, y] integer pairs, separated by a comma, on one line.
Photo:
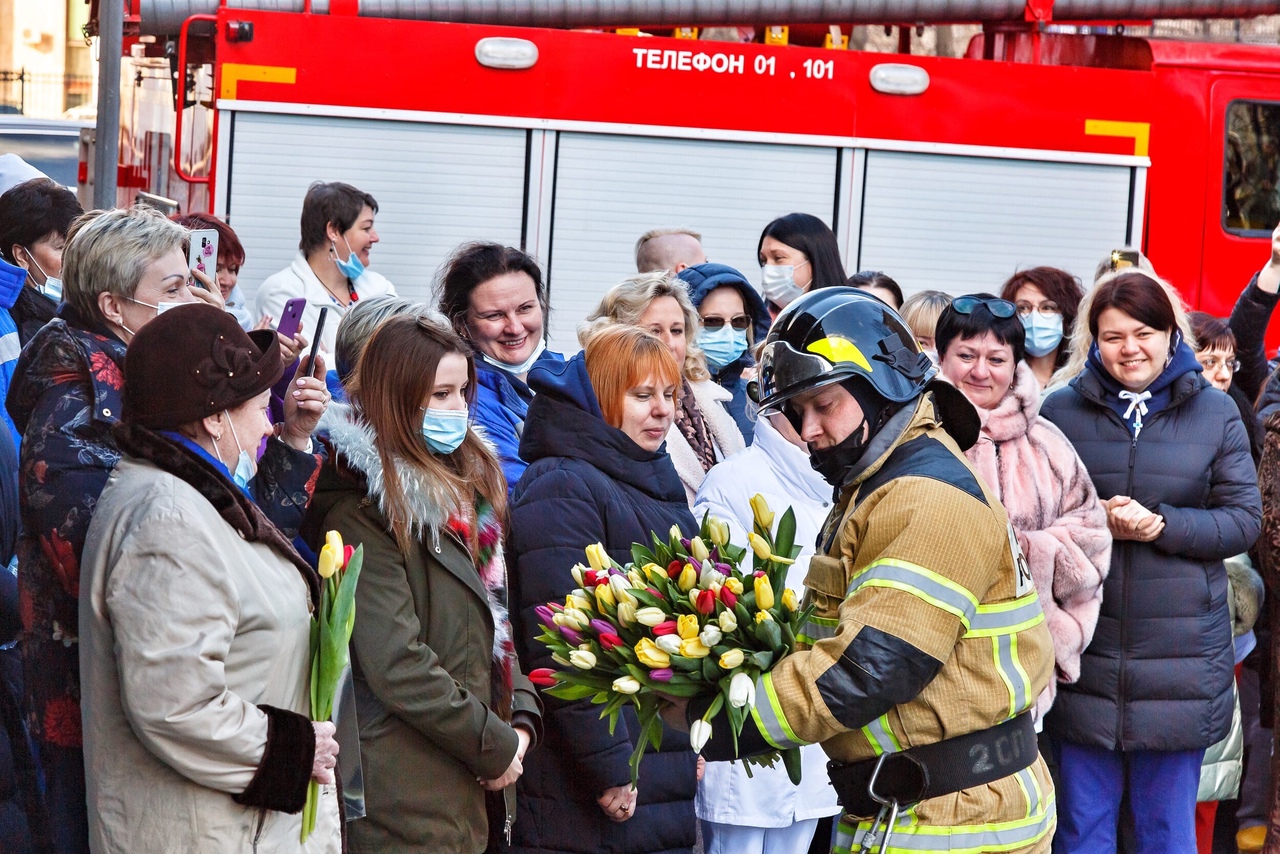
{"points": [[196, 613]]}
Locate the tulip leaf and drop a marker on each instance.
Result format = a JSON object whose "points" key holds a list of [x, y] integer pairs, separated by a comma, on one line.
{"points": [[688, 665], [786, 536], [762, 659], [647, 599], [640, 555], [570, 691], [710, 670]]}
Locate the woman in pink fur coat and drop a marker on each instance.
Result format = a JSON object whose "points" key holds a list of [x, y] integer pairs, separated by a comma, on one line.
{"points": [[1031, 465]]}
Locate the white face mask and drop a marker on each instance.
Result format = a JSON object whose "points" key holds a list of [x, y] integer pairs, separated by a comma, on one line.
{"points": [[778, 284], [523, 367], [160, 307], [52, 287]]}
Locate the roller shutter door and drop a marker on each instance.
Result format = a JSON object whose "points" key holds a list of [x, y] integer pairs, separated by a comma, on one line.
{"points": [[436, 186], [964, 224], [611, 189]]}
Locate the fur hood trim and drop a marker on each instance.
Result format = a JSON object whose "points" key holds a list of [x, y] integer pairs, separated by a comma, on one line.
{"points": [[1017, 411]]}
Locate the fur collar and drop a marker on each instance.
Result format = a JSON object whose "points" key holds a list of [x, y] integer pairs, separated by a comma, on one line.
{"points": [[430, 503], [232, 504], [1017, 411]]}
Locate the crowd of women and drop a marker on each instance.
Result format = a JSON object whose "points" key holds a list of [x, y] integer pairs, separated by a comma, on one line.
{"points": [[164, 554]]}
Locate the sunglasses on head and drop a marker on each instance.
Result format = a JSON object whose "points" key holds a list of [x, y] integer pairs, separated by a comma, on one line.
{"points": [[739, 323], [1001, 308]]}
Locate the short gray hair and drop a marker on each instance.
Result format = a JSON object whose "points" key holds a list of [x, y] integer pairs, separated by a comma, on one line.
{"points": [[109, 251], [364, 318], [628, 300], [648, 257]]}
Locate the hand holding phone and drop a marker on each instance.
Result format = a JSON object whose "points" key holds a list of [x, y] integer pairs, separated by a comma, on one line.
{"points": [[202, 252], [315, 343], [291, 320]]}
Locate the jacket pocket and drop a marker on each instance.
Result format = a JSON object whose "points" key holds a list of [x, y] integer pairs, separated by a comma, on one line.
{"points": [[826, 583]]}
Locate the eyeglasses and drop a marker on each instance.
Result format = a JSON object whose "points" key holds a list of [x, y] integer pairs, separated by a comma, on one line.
{"points": [[740, 322], [1001, 308], [1212, 363], [1048, 309]]}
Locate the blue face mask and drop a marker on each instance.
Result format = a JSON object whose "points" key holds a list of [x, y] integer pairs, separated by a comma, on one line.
{"points": [[722, 346], [245, 467], [1044, 332], [444, 429], [352, 268], [52, 288]]}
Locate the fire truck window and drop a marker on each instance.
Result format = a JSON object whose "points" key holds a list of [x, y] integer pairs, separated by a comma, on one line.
{"points": [[1250, 201]]}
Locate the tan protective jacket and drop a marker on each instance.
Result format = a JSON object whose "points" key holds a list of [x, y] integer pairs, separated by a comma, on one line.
{"points": [[920, 550]]}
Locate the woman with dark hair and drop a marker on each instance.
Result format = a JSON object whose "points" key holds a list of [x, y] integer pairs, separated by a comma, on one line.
{"points": [[797, 253], [597, 473], [880, 286], [35, 217], [1048, 300], [230, 260], [1035, 472], [496, 300], [331, 269], [1171, 463], [445, 714]]}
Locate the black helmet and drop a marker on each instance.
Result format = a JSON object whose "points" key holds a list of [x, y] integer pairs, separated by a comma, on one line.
{"points": [[833, 334]]}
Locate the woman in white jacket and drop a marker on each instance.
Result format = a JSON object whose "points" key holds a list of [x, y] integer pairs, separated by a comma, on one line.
{"points": [[766, 813], [331, 268], [704, 433]]}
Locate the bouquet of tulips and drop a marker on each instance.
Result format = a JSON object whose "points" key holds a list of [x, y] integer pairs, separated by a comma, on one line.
{"points": [[682, 619], [331, 628]]}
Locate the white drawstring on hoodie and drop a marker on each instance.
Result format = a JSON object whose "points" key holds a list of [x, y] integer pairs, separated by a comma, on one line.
{"points": [[1138, 402]]}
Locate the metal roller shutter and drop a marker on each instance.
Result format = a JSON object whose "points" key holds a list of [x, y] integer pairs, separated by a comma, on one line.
{"points": [[611, 189], [965, 224], [436, 185]]}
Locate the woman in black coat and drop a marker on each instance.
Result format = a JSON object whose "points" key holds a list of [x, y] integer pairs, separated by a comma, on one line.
{"points": [[1170, 459], [597, 473]]}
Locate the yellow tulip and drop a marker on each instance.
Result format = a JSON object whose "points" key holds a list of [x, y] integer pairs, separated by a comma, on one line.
{"points": [[627, 615], [758, 545], [636, 579], [328, 561], [688, 578], [789, 600], [651, 656], [717, 530], [760, 508], [764, 593], [604, 597], [731, 659], [687, 626], [698, 549], [734, 585], [763, 616], [597, 557], [334, 541], [575, 618], [694, 648], [654, 572], [580, 602]]}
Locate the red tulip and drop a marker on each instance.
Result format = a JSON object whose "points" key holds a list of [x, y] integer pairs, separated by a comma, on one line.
{"points": [[609, 640], [673, 568], [543, 676], [706, 602], [727, 597], [654, 591], [667, 628], [347, 552], [591, 578]]}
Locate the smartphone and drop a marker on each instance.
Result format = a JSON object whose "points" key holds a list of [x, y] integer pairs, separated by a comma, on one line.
{"points": [[1122, 259], [315, 342], [202, 253], [292, 317]]}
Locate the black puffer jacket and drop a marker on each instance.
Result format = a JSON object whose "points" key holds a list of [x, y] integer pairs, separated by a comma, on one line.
{"points": [[588, 482], [1157, 675]]}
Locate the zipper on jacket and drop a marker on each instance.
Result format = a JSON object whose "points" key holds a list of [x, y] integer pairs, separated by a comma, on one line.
{"points": [[1124, 623], [257, 834]]}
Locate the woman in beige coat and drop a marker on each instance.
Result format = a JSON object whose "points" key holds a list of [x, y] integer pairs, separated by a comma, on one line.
{"points": [[704, 432], [195, 621]]}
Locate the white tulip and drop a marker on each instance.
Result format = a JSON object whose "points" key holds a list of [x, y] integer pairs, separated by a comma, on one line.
{"points": [[699, 732], [670, 644], [710, 635], [742, 691]]}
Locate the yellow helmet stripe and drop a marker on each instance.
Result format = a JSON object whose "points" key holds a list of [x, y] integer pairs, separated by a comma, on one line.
{"points": [[837, 350]]}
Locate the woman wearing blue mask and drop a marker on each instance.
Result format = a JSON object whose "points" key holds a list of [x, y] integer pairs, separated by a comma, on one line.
{"points": [[733, 318], [331, 269], [496, 300], [1048, 300], [445, 715]]}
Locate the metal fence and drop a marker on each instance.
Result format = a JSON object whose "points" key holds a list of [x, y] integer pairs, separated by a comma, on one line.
{"points": [[43, 95]]}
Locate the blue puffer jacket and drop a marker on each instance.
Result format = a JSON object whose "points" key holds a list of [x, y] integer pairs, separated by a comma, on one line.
{"points": [[702, 280], [1157, 675], [588, 482], [501, 405]]}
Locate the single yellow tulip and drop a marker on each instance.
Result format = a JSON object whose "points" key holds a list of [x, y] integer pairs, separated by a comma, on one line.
{"points": [[764, 593], [651, 656], [687, 626], [718, 531], [731, 659], [698, 549], [597, 557], [728, 622], [627, 615], [760, 509], [763, 616], [694, 648], [758, 545], [789, 600], [329, 560], [734, 585], [334, 541], [688, 578], [604, 597]]}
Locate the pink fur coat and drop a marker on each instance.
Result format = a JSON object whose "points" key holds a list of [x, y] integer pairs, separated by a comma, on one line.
{"points": [[1061, 525]]}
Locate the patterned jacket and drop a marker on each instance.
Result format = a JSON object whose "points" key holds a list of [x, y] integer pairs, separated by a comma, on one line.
{"points": [[65, 398]]}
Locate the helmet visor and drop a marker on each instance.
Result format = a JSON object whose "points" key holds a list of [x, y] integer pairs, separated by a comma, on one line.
{"points": [[786, 372]]}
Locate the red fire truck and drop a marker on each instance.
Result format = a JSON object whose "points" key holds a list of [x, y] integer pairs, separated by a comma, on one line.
{"points": [[1038, 147]]}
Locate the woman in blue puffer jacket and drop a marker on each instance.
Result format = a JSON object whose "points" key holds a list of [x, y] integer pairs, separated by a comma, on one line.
{"points": [[1170, 459]]}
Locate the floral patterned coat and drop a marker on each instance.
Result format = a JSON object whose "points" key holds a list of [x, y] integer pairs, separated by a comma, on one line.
{"points": [[65, 397]]}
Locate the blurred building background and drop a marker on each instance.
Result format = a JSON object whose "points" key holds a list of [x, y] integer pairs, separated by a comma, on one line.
{"points": [[47, 66]]}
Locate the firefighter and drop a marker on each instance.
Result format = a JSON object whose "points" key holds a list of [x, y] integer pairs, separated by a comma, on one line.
{"points": [[928, 647]]}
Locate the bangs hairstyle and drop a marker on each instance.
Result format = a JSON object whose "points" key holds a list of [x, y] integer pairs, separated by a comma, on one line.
{"points": [[627, 301], [921, 311], [954, 326], [811, 236], [109, 251], [394, 375], [619, 358], [230, 249], [1212, 333], [1143, 296], [1058, 286]]}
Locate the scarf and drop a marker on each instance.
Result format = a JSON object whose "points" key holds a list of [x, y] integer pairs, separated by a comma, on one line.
{"points": [[693, 427], [480, 529]]}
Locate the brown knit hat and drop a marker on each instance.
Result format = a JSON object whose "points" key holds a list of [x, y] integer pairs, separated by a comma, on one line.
{"points": [[194, 361]]}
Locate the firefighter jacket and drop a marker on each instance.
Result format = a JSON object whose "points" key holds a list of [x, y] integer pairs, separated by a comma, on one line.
{"points": [[927, 626]]}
